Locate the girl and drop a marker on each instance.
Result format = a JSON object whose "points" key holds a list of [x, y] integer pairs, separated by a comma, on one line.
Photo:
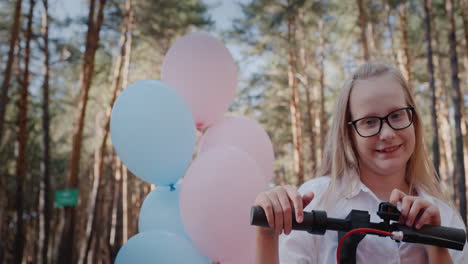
{"points": [[375, 152]]}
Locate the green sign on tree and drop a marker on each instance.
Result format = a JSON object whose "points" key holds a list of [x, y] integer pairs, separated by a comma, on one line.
{"points": [[67, 197]]}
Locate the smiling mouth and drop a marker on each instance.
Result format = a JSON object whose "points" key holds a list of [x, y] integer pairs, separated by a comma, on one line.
{"points": [[389, 149]]}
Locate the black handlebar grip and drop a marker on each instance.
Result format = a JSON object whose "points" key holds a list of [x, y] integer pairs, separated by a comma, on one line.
{"points": [[441, 236], [314, 222], [258, 217]]}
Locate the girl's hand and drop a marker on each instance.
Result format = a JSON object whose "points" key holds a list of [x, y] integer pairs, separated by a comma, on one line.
{"points": [[415, 211], [279, 204]]}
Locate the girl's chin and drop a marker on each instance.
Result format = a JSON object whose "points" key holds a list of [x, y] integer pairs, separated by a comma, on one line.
{"points": [[390, 168]]}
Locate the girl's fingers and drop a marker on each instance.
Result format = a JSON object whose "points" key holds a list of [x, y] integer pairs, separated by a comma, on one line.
{"points": [[406, 204], [417, 208], [278, 213], [396, 196], [287, 210], [307, 198], [264, 201], [279, 205], [431, 216], [296, 200]]}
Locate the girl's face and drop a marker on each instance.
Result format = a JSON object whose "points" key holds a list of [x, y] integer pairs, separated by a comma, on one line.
{"points": [[387, 152]]}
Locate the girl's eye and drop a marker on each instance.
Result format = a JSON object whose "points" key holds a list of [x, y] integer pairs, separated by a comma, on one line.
{"points": [[395, 116], [370, 122]]}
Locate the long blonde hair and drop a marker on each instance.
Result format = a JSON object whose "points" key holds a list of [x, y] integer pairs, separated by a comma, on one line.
{"points": [[339, 157]]}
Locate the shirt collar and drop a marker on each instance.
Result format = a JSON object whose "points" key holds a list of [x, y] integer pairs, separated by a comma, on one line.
{"points": [[357, 187]]}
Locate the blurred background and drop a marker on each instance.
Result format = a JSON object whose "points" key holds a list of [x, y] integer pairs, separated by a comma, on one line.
{"points": [[65, 197]]}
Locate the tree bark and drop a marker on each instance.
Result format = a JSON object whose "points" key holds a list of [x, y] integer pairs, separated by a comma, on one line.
{"points": [[363, 26], [405, 47], [388, 23], [115, 210], [10, 60], [91, 209], [445, 128], [460, 168], [373, 42], [22, 143], [321, 66], [306, 76], [123, 168], [86, 76], [45, 209], [464, 12], [430, 70], [294, 102]]}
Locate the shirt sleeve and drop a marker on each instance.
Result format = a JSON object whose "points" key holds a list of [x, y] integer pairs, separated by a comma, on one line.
{"points": [[451, 218], [297, 248], [454, 220]]}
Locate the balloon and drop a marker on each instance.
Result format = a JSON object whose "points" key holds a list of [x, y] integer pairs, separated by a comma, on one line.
{"points": [[245, 134], [202, 70], [153, 132], [217, 193], [160, 211], [159, 247]]}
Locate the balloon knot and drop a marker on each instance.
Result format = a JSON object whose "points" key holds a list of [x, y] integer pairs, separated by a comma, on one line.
{"points": [[172, 187], [199, 126]]}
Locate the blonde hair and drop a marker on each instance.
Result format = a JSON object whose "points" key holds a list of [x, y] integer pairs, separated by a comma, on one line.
{"points": [[339, 157]]}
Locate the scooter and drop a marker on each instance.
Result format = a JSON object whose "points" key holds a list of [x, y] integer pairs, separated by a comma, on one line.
{"points": [[356, 225]]}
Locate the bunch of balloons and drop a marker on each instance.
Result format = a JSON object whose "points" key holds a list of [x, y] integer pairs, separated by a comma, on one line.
{"points": [[199, 211]]}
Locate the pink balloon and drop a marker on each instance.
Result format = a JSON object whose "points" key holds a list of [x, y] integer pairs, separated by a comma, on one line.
{"points": [[203, 71], [217, 193], [247, 135]]}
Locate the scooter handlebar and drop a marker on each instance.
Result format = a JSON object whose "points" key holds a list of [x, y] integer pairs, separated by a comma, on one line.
{"points": [[441, 236], [317, 222]]}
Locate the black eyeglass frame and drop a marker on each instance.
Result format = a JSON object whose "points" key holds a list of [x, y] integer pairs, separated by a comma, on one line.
{"points": [[381, 119]]}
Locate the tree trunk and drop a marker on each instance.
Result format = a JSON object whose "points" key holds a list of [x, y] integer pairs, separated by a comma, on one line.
{"points": [[100, 153], [445, 127], [45, 209], [22, 143], [11, 58], [125, 212], [91, 209], [86, 76], [304, 55], [464, 12], [294, 103], [363, 26], [108, 196], [405, 47], [388, 23], [3, 221], [321, 66], [460, 171], [115, 233], [373, 42], [123, 168], [430, 70]]}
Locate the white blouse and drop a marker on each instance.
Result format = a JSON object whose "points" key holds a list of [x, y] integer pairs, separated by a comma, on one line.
{"points": [[300, 247]]}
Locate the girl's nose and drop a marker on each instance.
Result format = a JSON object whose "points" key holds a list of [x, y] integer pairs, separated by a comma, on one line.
{"points": [[387, 132]]}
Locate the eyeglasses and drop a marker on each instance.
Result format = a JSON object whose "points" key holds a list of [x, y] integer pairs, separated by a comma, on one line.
{"points": [[372, 125]]}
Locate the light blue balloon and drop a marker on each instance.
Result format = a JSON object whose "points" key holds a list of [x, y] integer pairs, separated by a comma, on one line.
{"points": [[159, 247], [153, 131], [160, 211]]}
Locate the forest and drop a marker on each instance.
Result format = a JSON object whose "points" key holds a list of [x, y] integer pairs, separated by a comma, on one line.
{"points": [[61, 75]]}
